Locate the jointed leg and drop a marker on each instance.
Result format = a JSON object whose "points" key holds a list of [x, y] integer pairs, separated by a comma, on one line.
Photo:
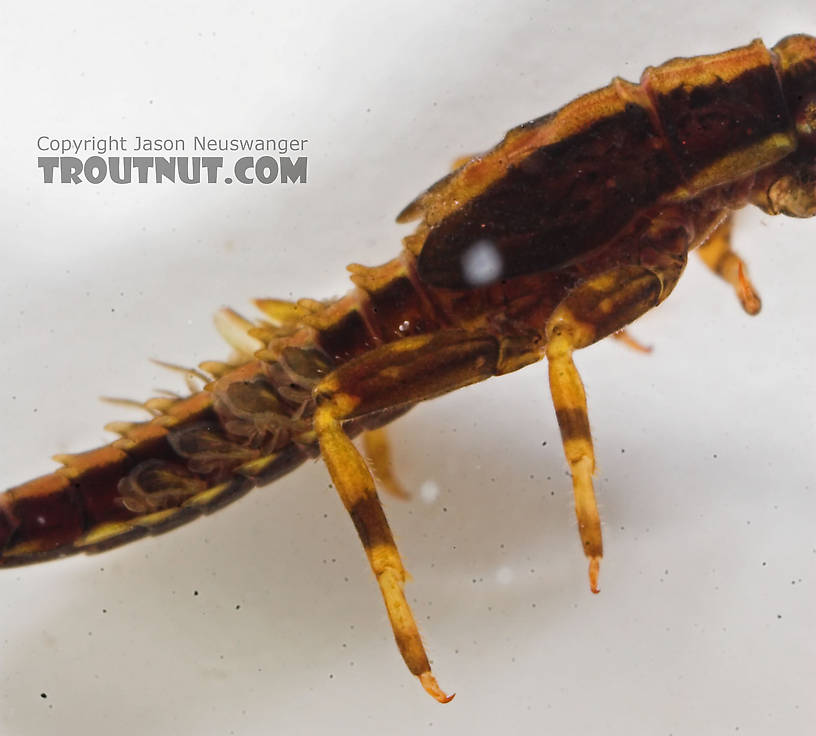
{"points": [[722, 260], [356, 488], [571, 411], [598, 307], [376, 446], [393, 375], [630, 342]]}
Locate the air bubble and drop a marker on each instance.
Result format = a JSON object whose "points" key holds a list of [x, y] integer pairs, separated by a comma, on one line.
{"points": [[429, 491], [481, 263]]}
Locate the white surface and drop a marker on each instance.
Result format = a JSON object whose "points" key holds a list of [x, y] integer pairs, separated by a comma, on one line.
{"points": [[706, 447]]}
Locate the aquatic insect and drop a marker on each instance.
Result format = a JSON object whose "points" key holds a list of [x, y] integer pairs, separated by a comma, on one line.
{"points": [[569, 229]]}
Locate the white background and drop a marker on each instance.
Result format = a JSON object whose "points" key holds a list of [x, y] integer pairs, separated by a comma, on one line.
{"points": [[706, 447]]}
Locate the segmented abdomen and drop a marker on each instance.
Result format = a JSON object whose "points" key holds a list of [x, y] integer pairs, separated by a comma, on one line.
{"points": [[160, 474], [250, 425]]}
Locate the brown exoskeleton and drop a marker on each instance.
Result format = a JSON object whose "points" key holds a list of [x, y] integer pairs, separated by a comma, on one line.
{"points": [[572, 227]]}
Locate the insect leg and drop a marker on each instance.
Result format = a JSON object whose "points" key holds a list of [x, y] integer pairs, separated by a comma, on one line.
{"points": [[722, 260], [376, 446], [598, 307], [630, 342], [569, 399], [392, 375], [356, 488]]}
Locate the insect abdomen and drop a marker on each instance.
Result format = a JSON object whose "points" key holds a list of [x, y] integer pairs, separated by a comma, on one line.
{"points": [[389, 303], [248, 428], [137, 485]]}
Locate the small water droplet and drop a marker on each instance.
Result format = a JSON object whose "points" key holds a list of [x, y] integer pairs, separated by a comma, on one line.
{"points": [[429, 491], [481, 263]]}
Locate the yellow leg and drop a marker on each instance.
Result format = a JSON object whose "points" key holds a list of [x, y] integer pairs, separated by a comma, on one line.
{"points": [[395, 376], [717, 254], [595, 309], [631, 342], [356, 488], [376, 446], [571, 411]]}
